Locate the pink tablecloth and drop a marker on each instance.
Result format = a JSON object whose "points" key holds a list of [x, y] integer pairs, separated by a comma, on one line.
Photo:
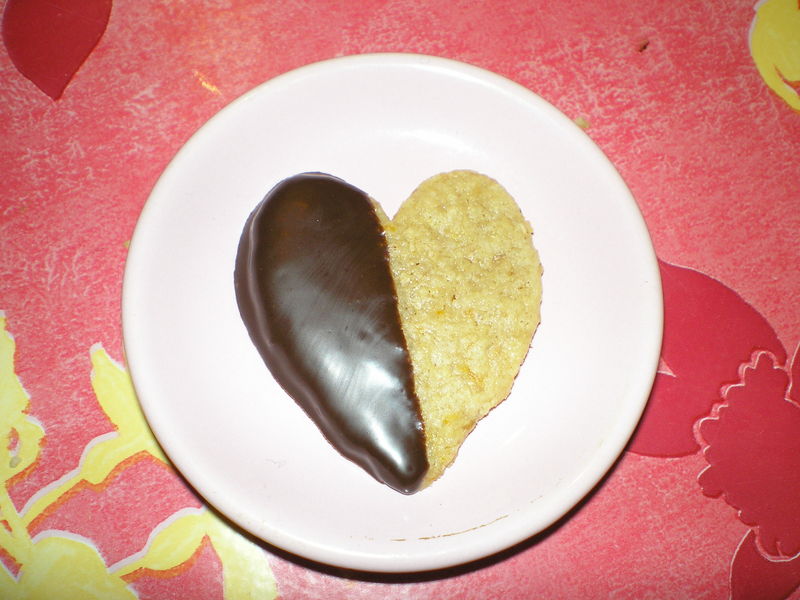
{"points": [[696, 103]]}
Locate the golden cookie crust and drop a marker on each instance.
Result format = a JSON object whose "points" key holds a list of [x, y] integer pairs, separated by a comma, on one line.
{"points": [[469, 289]]}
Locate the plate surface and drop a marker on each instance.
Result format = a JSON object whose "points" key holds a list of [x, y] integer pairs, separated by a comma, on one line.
{"points": [[384, 123]]}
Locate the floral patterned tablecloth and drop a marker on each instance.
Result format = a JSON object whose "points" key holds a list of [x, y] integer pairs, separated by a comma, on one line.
{"points": [[697, 105]]}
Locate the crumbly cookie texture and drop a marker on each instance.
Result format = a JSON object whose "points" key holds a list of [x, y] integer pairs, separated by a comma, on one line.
{"points": [[469, 289]]}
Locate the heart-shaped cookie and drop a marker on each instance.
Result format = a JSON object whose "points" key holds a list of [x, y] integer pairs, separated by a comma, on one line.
{"points": [[396, 337]]}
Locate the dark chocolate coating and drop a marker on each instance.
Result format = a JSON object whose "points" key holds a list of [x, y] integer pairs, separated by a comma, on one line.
{"points": [[316, 293]]}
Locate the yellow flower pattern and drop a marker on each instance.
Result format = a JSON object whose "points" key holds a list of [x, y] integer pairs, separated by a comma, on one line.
{"points": [[62, 565], [775, 46]]}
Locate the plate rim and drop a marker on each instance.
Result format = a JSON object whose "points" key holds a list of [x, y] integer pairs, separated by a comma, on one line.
{"points": [[578, 488]]}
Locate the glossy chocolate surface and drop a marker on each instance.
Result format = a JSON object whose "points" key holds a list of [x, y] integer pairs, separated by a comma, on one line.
{"points": [[316, 294]]}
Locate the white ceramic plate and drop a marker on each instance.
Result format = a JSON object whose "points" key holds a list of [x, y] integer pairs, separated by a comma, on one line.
{"points": [[385, 123]]}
